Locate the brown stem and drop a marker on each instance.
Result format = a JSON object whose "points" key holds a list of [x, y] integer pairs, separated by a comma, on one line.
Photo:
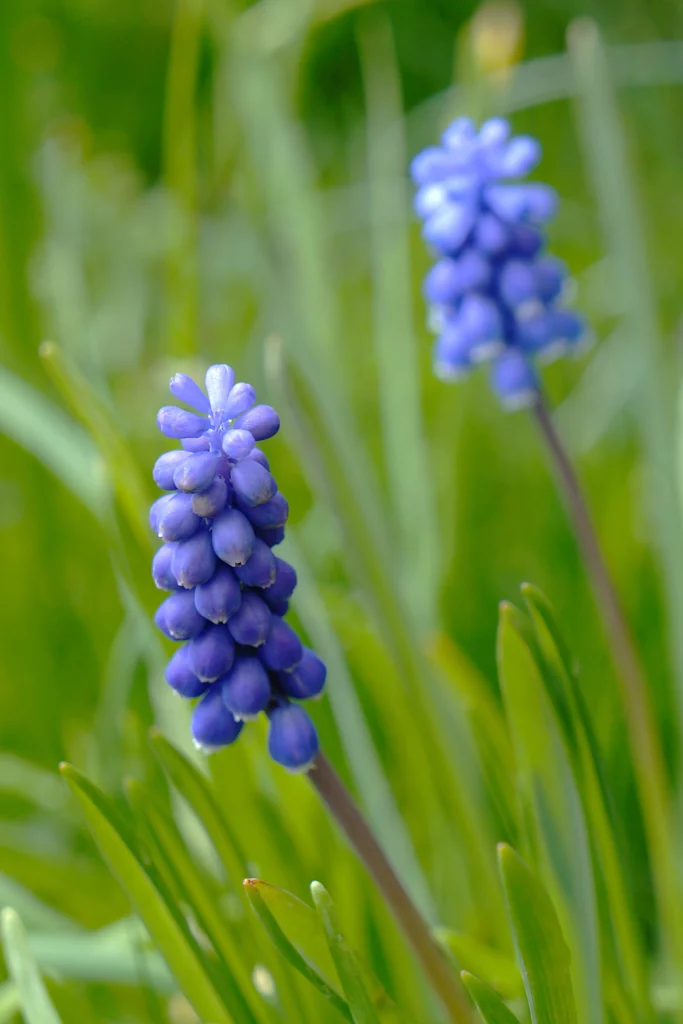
{"points": [[349, 818], [648, 760]]}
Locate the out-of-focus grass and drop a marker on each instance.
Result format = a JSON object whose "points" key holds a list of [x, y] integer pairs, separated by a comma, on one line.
{"points": [[288, 214]]}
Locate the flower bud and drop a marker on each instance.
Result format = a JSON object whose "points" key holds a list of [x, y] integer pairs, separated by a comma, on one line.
{"points": [[156, 511], [283, 648], [178, 618], [252, 484], [165, 467], [233, 537], [211, 654], [284, 583], [196, 472], [306, 680], [246, 688], [259, 570], [197, 444], [258, 456], [292, 737], [271, 535], [180, 676], [237, 444], [175, 422], [212, 501], [242, 397], [177, 520], [194, 560], [514, 379], [219, 381], [251, 622], [212, 724], [221, 597], [272, 513], [262, 421], [184, 388], [162, 572]]}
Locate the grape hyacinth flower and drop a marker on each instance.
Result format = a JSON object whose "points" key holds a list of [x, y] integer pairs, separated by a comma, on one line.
{"points": [[220, 519], [494, 295]]}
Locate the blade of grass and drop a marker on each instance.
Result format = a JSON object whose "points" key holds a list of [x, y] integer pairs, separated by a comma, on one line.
{"points": [[288, 950], [345, 959], [180, 175], [405, 453], [541, 948], [162, 918], [609, 165], [36, 1006], [491, 1007], [556, 831]]}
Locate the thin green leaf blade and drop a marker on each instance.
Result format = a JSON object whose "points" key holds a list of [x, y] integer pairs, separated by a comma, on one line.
{"points": [[345, 959], [500, 969], [543, 954], [35, 1003], [255, 893], [163, 921], [491, 1007]]}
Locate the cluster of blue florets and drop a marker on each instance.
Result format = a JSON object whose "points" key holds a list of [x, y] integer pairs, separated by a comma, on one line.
{"points": [[229, 591], [494, 295]]}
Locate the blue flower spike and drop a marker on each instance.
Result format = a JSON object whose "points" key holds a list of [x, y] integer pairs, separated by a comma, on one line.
{"points": [[493, 295], [220, 518]]}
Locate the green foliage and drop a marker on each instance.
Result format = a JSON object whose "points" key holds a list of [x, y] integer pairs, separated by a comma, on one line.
{"points": [[178, 182]]}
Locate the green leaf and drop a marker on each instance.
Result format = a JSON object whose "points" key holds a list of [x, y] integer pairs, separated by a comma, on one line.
{"points": [[491, 1007], [194, 786], [97, 418], [541, 949], [255, 891], [40, 426], [557, 840], [345, 959], [162, 918], [36, 1007], [172, 858], [606, 835], [10, 1002], [499, 969], [406, 456]]}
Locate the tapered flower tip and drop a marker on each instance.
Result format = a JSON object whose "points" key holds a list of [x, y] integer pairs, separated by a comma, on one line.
{"points": [[196, 444], [306, 680], [452, 353], [259, 570], [459, 133], [165, 467], [482, 324], [246, 688], [175, 519], [178, 618], [162, 572], [196, 472], [221, 597], [283, 648], [212, 724], [518, 158], [212, 501], [262, 421], [250, 624], [292, 738], [211, 654], [181, 678], [194, 560], [448, 227], [219, 381], [178, 423], [514, 379], [157, 510], [242, 397], [233, 537], [186, 390], [237, 444], [284, 583], [258, 456], [269, 515], [252, 484]]}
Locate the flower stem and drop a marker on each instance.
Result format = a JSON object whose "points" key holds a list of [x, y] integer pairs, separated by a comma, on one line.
{"points": [[648, 758], [341, 804]]}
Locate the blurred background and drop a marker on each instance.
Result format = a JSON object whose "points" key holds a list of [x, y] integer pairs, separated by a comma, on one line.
{"points": [[208, 181]]}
